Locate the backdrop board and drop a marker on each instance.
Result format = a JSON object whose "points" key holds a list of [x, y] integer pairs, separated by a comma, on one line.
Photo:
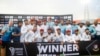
{"points": [[4, 18]]}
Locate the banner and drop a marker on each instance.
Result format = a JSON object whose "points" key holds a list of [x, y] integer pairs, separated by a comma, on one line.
{"points": [[15, 49], [89, 48], [54, 49], [42, 49]]}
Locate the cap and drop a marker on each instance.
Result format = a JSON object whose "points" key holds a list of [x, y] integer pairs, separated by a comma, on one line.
{"points": [[68, 31], [41, 29], [56, 20]]}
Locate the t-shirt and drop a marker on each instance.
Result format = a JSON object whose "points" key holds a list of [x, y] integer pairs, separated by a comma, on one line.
{"points": [[39, 38], [45, 27], [58, 38], [92, 30], [81, 29], [29, 37], [50, 24], [24, 30], [16, 30], [97, 28], [49, 37], [85, 37], [69, 39], [76, 37], [8, 33], [63, 28], [74, 27]]}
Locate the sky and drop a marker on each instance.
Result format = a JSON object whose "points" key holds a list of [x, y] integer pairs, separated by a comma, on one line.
{"points": [[51, 7]]}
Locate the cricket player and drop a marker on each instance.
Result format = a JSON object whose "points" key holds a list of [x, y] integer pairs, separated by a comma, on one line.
{"points": [[58, 36], [68, 37], [81, 28], [24, 29], [56, 26], [86, 36], [49, 36], [29, 37], [49, 22], [32, 23], [40, 36], [68, 25], [44, 25], [76, 36], [39, 25]]}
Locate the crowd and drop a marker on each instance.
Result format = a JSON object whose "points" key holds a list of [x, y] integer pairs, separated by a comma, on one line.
{"points": [[46, 30]]}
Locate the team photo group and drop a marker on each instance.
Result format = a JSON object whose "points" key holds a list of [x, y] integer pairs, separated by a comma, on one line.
{"points": [[46, 30]]}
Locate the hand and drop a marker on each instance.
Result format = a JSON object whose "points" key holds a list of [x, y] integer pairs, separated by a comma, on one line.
{"points": [[62, 43], [26, 43], [44, 37], [28, 30], [35, 39]]}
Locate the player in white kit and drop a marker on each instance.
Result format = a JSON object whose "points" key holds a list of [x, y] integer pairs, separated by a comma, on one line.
{"points": [[77, 36], [86, 36], [68, 37], [29, 37], [58, 36], [40, 36]]}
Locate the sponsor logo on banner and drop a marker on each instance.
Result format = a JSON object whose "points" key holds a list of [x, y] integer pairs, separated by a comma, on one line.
{"points": [[16, 51], [12, 50], [95, 48]]}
